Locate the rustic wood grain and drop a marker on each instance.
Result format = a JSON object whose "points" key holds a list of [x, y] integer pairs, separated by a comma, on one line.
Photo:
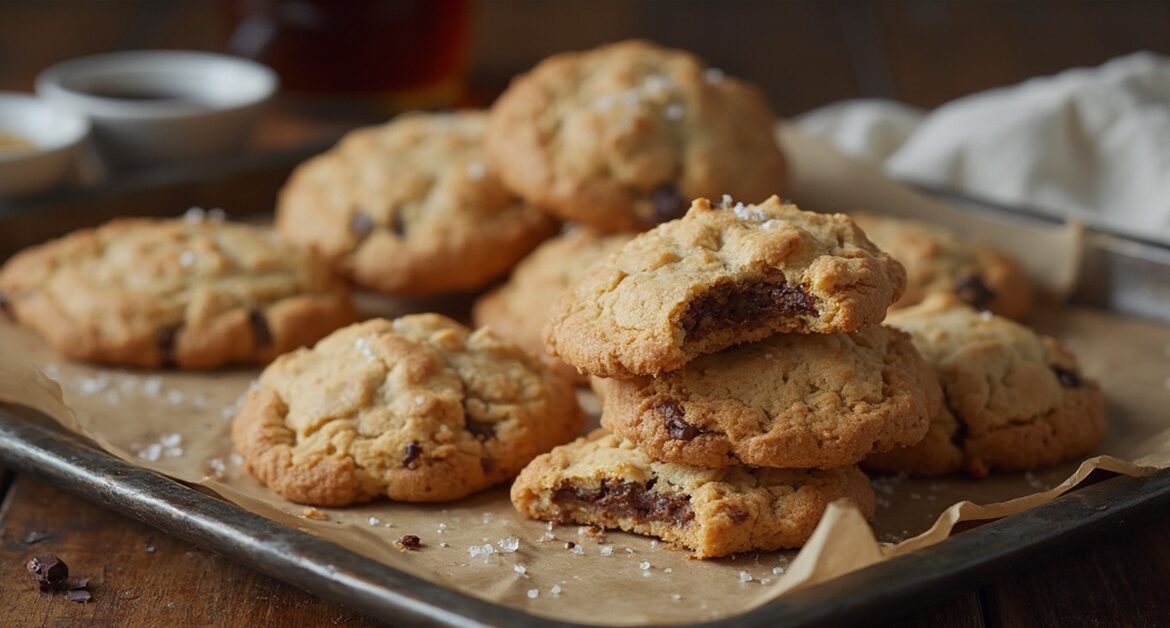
{"points": [[138, 576], [962, 611], [1120, 579]]}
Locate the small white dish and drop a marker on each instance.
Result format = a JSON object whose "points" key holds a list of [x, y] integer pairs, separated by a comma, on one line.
{"points": [[151, 107], [54, 136]]}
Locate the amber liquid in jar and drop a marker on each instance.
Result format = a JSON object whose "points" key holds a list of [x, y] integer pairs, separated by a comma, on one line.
{"points": [[406, 53]]}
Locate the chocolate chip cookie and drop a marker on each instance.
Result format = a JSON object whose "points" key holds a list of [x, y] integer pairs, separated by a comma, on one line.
{"points": [[1013, 400], [411, 207], [605, 481], [195, 293], [623, 136], [519, 309], [721, 275], [937, 260], [788, 401], [418, 409]]}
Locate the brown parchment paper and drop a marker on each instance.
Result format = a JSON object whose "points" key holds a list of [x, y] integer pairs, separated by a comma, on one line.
{"points": [[177, 424]]}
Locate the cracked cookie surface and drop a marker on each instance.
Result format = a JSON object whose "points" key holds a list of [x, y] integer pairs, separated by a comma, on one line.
{"points": [[788, 401], [721, 275], [519, 309], [1013, 400], [937, 260], [605, 481], [416, 409], [411, 207], [196, 292], [622, 136]]}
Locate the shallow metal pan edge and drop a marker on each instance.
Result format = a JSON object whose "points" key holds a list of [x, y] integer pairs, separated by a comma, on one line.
{"points": [[382, 592]]}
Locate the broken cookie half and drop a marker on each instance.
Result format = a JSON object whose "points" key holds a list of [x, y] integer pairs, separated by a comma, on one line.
{"points": [[605, 481], [722, 275]]}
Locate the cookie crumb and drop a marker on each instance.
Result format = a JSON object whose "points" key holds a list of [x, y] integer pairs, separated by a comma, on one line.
{"points": [[745, 576], [312, 513], [554, 590], [533, 594]]}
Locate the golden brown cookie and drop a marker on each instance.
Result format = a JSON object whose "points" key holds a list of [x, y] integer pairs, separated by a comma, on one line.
{"points": [[722, 275], [1013, 400], [937, 260], [622, 136], [604, 481], [196, 292], [411, 207], [788, 401], [418, 409], [518, 310]]}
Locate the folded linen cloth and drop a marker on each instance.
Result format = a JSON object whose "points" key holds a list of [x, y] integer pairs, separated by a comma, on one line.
{"points": [[1091, 144]]}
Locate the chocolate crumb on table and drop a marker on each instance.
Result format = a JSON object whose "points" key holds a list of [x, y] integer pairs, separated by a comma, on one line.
{"points": [[408, 542], [48, 570]]}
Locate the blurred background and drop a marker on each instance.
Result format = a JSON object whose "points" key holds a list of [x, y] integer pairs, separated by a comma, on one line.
{"points": [[348, 63], [805, 53]]}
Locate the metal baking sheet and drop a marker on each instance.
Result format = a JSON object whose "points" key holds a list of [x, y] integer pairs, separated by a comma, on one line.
{"points": [[1120, 274]]}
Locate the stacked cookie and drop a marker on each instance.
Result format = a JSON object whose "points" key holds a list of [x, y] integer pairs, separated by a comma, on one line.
{"points": [[743, 372]]}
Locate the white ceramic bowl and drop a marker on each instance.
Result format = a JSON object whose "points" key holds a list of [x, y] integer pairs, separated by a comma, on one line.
{"points": [[56, 135], [152, 107]]}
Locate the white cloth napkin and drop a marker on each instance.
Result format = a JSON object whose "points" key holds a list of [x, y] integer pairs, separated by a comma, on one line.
{"points": [[1091, 144]]}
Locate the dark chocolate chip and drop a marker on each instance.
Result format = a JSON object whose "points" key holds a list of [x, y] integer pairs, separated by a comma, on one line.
{"points": [[570, 545], [398, 224], [48, 570], [959, 438], [676, 426], [667, 203], [81, 596], [166, 339], [360, 224], [260, 330], [974, 291], [413, 451], [482, 431], [410, 541], [1067, 378]]}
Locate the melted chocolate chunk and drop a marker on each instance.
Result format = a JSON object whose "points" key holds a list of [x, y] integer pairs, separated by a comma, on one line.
{"points": [[738, 516], [260, 330], [166, 339], [398, 224], [412, 452], [49, 571], [1067, 378], [630, 499], [361, 225], [974, 292], [667, 203], [736, 304], [672, 413]]}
